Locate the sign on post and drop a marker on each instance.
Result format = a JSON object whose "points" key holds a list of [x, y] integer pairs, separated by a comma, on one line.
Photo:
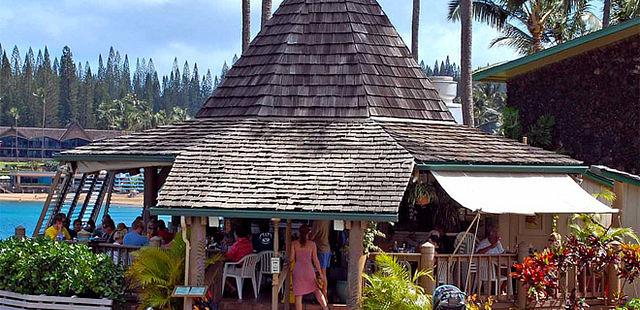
{"points": [[275, 265], [189, 291]]}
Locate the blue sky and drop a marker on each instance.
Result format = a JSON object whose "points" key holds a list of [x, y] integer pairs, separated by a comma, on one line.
{"points": [[202, 31]]}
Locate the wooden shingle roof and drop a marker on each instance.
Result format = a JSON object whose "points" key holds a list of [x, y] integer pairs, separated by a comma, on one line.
{"points": [[327, 58], [328, 166]]}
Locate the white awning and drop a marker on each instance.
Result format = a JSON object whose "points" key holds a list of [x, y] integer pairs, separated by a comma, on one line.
{"points": [[519, 193]]}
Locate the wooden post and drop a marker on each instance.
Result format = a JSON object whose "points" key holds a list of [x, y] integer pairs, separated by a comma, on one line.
{"points": [[614, 284], [356, 266], [20, 232], [287, 280], [523, 252], [276, 276], [150, 192], [427, 262], [618, 203], [197, 256]]}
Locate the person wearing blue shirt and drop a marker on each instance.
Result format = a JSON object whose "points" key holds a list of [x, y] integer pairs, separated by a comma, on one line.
{"points": [[135, 237]]}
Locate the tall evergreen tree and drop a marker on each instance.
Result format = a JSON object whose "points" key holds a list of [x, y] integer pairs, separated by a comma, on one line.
{"points": [[207, 85], [16, 62], [125, 78], [47, 81], [195, 97], [68, 88], [5, 86], [28, 88], [185, 86]]}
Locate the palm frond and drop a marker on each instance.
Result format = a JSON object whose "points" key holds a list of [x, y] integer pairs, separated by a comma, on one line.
{"points": [[484, 11], [514, 37]]}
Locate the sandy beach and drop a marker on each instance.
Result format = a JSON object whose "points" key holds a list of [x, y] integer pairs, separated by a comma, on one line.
{"points": [[120, 199]]}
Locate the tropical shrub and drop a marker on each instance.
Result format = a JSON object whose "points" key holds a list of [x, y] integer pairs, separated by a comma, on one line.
{"points": [[41, 266], [394, 287], [157, 271]]}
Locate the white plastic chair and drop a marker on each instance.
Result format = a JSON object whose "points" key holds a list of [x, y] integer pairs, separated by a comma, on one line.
{"points": [[243, 269], [265, 266]]}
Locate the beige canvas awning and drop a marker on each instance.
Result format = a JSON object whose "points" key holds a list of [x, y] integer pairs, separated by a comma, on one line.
{"points": [[518, 193]]}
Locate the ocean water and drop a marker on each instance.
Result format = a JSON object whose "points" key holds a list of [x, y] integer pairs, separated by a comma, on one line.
{"points": [[26, 213]]}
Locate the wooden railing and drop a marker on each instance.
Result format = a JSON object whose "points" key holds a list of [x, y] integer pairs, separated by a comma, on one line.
{"points": [[481, 274], [120, 254]]}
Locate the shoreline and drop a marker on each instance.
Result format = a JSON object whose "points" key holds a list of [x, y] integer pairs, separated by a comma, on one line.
{"points": [[117, 199]]}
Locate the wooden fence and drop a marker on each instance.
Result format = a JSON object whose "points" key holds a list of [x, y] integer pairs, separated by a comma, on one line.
{"points": [[489, 275]]}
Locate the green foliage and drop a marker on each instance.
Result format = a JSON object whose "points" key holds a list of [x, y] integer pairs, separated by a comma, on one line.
{"points": [[511, 127], [41, 266], [370, 234], [489, 100], [131, 113], [540, 133], [623, 10], [585, 226], [393, 287], [157, 271]]}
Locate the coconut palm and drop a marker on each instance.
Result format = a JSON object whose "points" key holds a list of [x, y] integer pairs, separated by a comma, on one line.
{"points": [[622, 10], [246, 24], [466, 23], [415, 28], [489, 100], [530, 25]]}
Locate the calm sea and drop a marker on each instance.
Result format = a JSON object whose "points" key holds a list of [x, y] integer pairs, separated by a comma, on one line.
{"points": [[26, 213]]}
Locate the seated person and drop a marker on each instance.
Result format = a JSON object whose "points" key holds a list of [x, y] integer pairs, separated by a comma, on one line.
{"points": [[242, 247], [264, 240], [134, 237], [123, 227], [90, 226], [164, 233], [77, 227], [57, 231], [491, 244], [152, 228], [108, 229]]}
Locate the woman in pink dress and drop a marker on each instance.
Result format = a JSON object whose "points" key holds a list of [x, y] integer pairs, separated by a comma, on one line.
{"points": [[305, 255]]}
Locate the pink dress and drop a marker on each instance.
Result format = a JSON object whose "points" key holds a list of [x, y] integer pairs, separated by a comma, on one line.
{"points": [[304, 277]]}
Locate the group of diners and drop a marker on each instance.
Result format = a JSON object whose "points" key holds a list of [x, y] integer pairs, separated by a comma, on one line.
{"points": [[108, 232]]}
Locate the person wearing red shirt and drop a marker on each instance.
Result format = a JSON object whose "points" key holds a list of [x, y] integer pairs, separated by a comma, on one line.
{"points": [[242, 247]]}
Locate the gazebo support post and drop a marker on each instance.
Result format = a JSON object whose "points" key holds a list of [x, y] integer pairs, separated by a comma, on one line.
{"points": [[275, 280], [150, 192], [356, 264], [287, 280], [196, 255]]}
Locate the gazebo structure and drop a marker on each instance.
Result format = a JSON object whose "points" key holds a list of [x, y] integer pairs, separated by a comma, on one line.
{"points": [[325, 116]]}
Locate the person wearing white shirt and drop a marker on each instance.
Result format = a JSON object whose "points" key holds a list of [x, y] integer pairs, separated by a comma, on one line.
{"points": [[491, 244]]}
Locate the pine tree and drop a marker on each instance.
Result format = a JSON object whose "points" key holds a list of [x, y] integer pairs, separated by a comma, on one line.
{"points": [[448, 68], [28, 88], [68, 88], [436, 69], [39, 60], [185, 87], [47, 80], [138, 79], [195, 98], [125, 78], [152, 87], [16, 62], [5, 78], [223, 72], [100, 91], [87, 108], [111, 75], [56, 66], [207, 85]]}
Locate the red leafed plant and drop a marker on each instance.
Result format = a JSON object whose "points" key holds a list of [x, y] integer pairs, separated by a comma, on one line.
{"points": [[540, 273]]}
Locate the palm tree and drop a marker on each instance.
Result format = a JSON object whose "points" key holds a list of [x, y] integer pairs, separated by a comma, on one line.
{"points": [[622, 10], [415, 29], [465, 62], [530, 25], [489, 100], [266, 12], [246, 24]]}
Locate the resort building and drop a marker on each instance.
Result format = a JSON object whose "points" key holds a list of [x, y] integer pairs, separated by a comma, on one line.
{"points": [[591, 86], [327, 116], [33, 143]]}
